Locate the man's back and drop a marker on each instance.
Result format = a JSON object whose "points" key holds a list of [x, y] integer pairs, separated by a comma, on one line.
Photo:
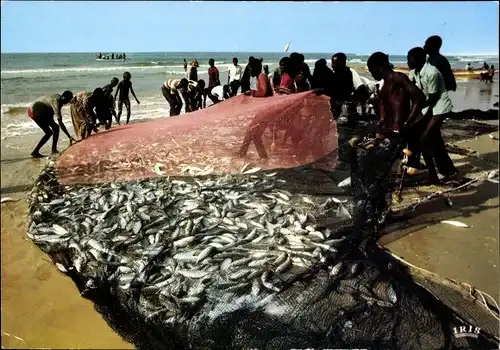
{"points": [[444, 67], [344, 85], [49, 100], [213, 77]]}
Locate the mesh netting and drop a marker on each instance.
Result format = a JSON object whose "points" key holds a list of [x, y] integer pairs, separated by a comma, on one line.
{"points": [[280, 257], [287, 130]]}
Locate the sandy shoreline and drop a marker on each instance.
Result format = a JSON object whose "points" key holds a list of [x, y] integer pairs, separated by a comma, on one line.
{"points": [[43, 307]]}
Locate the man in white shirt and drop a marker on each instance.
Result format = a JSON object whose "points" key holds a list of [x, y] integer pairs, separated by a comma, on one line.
{"points": [[219, 93], [438, 107], [234, 76]]}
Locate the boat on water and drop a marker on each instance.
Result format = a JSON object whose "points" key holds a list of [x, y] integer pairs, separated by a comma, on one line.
{"points": [[459, 73], [114, 59]]}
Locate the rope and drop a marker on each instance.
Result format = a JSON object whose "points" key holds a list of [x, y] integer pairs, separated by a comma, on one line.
{"points": [[482, 302]]}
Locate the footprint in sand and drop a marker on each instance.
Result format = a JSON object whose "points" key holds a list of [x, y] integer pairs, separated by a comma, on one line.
{"points": [[43, 272]]}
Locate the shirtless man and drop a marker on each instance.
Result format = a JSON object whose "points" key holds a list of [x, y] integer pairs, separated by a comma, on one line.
{"points": [[400, 101], [124, 87], [42, 112]]}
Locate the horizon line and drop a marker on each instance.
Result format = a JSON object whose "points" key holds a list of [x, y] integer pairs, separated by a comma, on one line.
{"points": [[495, 54]]}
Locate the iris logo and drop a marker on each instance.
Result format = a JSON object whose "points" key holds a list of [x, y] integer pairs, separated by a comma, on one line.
{"points": [[466, 331]]}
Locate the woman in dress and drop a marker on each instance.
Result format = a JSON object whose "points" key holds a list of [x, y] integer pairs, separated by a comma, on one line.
{"points": [[82, 112]]}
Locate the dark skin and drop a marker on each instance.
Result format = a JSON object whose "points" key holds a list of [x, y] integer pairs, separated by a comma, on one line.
{"points": [[400, 100], [123, 89]]}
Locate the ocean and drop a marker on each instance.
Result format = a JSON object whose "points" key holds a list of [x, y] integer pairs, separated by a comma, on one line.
{"points": [[25, 77]]}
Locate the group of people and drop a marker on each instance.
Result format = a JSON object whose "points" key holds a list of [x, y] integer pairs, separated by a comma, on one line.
{"points": [[488, 73], [414, 106], [89, 110], [195, 91], [107, 56]]}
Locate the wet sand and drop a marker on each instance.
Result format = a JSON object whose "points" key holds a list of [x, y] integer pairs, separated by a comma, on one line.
{"points": [[43, 307]]}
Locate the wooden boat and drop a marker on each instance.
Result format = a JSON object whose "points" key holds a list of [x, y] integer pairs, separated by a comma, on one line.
{"points": [[459, 73]]}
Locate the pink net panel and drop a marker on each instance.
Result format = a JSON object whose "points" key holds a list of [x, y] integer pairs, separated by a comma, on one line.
{"points": [[282, 131]]}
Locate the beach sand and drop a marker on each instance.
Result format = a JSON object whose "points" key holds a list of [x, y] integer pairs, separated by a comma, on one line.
{"points": [[43, 308]]}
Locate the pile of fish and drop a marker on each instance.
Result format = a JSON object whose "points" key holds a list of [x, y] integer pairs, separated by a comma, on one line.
{"points": [[172, 240]]}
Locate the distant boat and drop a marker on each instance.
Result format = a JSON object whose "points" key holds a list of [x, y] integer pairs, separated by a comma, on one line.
{"points": [[458, 72], [287, 46], [112, 59]]}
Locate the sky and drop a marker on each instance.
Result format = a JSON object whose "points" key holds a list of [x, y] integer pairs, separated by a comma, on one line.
{"points": [[319, 27]]}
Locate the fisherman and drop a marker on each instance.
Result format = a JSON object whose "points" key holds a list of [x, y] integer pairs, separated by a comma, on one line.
{"points": [[106, 110], [112, 56], [485, 66], [432, 46], [469, 67], [344, 86], [234, 76], [193, 95], [245, 79], [213, 75], [264, 88], [400, 101], [123, 89], [323, 77], [276, 78], [438, 108], [171, 90], [254, 134], [185, 66], [287, 85], [42, 112], [219, 93], [301, 72], [492, 74], [192, 73]]}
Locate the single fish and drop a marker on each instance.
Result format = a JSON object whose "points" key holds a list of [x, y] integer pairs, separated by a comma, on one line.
{"points": [[492, 174], [251, 171], [345, 182], [8, 199], [455, 223]]}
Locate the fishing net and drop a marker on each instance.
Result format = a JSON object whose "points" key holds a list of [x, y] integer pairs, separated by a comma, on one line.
{"points": [[203, 251], [279, 132]]}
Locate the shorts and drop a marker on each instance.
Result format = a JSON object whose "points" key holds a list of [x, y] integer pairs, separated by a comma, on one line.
{"points": [[40, 112]]}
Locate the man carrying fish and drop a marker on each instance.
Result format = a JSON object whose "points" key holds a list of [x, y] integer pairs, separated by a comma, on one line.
{"points": [[42, 112]]}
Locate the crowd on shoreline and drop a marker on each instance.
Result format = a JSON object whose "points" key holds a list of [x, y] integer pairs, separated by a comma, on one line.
{"points": [[419, 103]]}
